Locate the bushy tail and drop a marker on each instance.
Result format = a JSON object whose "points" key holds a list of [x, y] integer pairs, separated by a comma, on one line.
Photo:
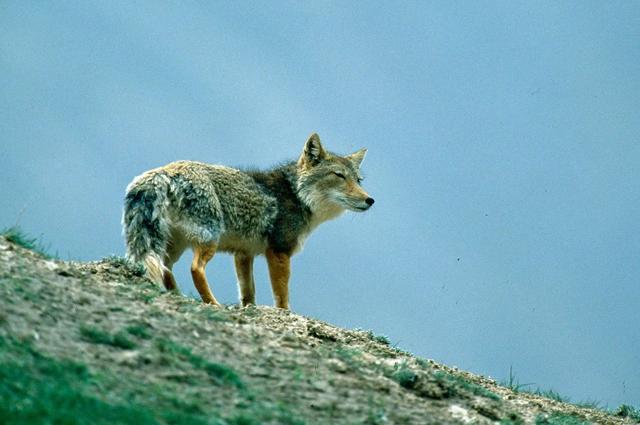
{"points": [[145, 222]]}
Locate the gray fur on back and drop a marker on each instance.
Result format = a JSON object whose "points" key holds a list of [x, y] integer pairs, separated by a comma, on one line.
{"points": [[201, 202], [210, 200]]}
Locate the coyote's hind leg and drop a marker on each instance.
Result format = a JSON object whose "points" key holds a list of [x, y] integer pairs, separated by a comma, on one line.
{"points": [[174, 250], [170, 281], [202, 254]]}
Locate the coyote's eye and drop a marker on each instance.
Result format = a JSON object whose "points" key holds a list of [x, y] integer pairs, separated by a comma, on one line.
{"points": [[340, 175]]}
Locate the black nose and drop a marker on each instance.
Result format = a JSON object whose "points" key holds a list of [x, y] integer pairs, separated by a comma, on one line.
{"points": [[369, 201]]}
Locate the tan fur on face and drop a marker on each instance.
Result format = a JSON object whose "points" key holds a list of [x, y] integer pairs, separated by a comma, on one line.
{"points": [[355, 192], [330, 194]]}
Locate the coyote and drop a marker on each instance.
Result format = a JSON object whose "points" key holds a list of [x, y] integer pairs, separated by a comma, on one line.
{"points": [[212, 208]]}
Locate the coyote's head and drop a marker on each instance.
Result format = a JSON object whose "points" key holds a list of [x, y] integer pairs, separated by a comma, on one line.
{"points": [[330, 183]]}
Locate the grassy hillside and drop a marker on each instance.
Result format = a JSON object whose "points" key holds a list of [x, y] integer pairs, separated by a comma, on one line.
{"points": [[97, 343]]}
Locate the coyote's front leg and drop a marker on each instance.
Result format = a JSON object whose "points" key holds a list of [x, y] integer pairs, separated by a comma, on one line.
{"points": [[279, 272], [246, 284]]}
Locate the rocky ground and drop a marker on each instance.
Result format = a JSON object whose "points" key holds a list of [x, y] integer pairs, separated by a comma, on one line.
{"points": [[98, 343]]}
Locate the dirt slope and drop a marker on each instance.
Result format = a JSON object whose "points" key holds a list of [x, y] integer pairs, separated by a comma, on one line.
{"points": [[97, 343]]}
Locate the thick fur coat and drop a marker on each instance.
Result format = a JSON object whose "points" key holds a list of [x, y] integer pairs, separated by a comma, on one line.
{"points": [[209, 208]]}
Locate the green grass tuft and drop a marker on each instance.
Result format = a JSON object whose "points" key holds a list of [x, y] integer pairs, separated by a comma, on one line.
{"points": [[626, 411], [350, 356], [16, 235], [220, 373], [97, 336], [551, 394], [243, 419], [405, 377], [591, 404], [457, 382], [215, 314], [139, 331], [93, 334], [382, 339], [514, 384], [121, 340]]}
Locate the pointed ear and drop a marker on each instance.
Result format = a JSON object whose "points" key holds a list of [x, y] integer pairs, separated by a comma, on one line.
{"points": [[313, 151], [357, 157]]}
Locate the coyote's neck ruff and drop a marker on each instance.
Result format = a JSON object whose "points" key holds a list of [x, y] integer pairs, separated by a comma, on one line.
{"points": [[247, 213]]}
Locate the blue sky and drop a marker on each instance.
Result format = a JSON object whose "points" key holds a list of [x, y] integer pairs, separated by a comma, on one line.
{"points": [[504, 152]]}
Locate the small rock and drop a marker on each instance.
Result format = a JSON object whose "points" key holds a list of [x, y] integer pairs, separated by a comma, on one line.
{"points": [[460, 413], [321, 386], [129, 358], [50, 265], [289, 336], [337, 365]]}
